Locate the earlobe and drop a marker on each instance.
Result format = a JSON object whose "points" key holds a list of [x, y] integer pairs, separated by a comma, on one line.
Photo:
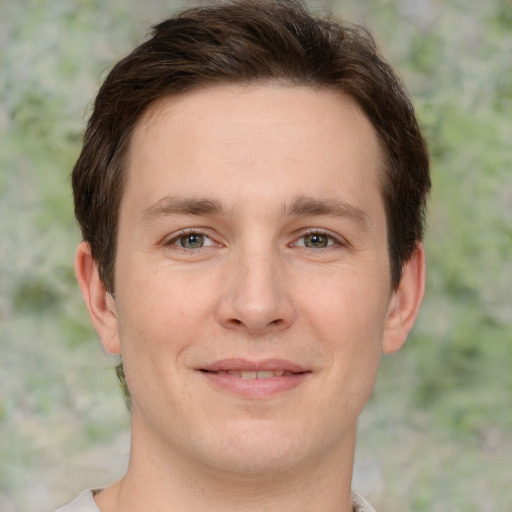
{"points": [[99, 302], [405, 303]]}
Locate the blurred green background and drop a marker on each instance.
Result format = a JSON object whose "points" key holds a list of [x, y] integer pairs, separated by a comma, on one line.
{"points": [[437, 434]]}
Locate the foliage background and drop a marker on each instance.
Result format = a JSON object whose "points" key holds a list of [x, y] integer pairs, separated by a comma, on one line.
{"points": [[437, 435]]}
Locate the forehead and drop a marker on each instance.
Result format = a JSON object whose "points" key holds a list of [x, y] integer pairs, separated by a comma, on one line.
{"points": [[231, 138], [271, 106]]}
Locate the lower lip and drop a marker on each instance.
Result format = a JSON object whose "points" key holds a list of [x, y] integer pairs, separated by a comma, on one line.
{"points": [[255, 388]]}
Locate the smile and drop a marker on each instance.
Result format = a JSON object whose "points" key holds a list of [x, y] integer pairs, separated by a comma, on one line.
{"points": [[259, 375], [254, 379]]}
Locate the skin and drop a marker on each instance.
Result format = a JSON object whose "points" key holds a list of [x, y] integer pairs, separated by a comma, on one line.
{"points": [[285, 258]]}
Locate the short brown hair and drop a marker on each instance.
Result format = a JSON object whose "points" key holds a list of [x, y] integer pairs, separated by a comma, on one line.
{"points": [[250, 41]]}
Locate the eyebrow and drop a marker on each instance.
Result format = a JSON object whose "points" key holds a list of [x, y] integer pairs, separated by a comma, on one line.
{"points": [[301, 206], [305, 206], [172, 205]]}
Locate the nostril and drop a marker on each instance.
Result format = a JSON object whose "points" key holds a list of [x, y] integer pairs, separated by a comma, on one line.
{"points": [[273, 323]]}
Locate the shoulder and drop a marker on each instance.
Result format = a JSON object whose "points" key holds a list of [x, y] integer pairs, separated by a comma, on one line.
{"points": [[359, 504], [82, 503]]}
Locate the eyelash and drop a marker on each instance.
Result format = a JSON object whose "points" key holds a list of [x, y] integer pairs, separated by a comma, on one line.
{"points": [[331, 239], [177, 236]]}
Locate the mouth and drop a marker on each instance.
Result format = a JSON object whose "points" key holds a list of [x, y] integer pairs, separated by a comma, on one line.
{"points": [[247, 369], [258, 375], [254, 379]]}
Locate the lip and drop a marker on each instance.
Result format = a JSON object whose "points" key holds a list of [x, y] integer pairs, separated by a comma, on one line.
{"points": [[292, 376], [254, 366]]}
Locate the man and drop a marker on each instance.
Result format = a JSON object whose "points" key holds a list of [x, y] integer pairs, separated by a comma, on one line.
{"points": [[251, 194]]}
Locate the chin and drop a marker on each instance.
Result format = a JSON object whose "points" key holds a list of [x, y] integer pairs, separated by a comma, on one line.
{"points": [[256, 451]]}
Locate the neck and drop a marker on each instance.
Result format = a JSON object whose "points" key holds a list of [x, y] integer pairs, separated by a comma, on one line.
{"points": [[157, 481]]}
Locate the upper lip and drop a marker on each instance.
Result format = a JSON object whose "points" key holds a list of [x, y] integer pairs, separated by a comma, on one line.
{"points": [[234, 364]]}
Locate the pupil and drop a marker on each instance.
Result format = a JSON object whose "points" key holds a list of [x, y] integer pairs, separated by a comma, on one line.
{"points": [[317, 241], [192, 241]]}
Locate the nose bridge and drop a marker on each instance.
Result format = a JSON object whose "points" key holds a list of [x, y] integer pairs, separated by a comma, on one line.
{"points": [[255, 297]]}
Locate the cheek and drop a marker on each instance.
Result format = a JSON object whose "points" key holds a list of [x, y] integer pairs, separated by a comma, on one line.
{"points": [[348, 301], [161, 310], [348, 317]]}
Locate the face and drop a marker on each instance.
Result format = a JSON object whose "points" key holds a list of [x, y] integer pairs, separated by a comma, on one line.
{"points": [[253, 296]]}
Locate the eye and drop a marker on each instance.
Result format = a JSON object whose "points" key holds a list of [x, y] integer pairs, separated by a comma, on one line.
{"points": [[192, 240], [316, 240]]}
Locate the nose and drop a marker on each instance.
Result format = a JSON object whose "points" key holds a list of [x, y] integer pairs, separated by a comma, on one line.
{"points": [[255, 295]]}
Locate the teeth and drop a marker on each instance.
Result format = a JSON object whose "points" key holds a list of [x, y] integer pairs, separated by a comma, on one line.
{"points": [[261, 375], [265, 375]]}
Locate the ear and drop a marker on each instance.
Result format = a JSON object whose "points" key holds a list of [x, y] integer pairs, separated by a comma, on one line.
{"points": [[99, 302], [405, 302]]}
